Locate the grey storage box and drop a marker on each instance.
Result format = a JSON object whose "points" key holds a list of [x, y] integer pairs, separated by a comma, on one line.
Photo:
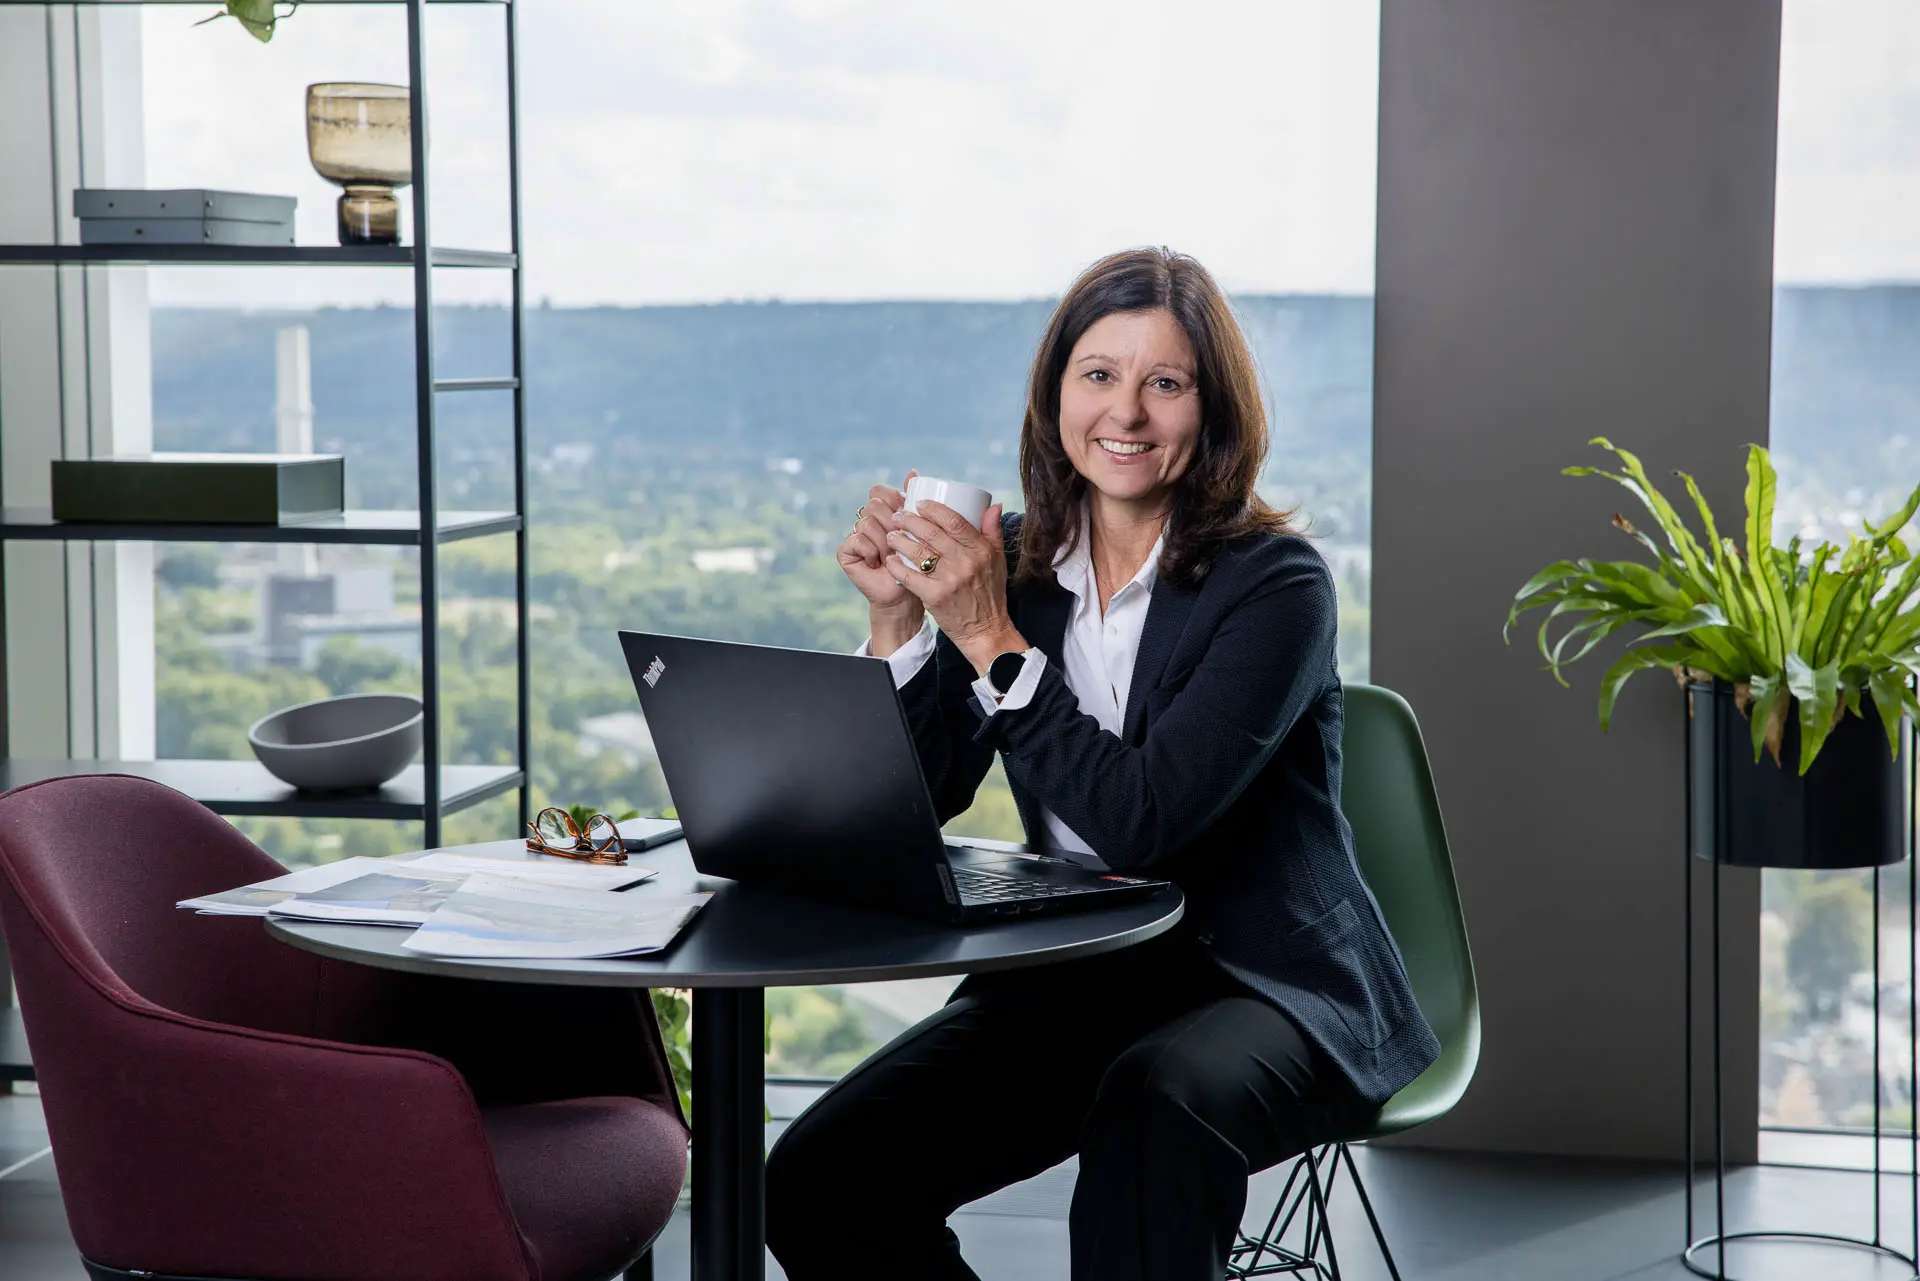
{"points": [[192, 216], [193, 202], [183, 231], [237, 489]]}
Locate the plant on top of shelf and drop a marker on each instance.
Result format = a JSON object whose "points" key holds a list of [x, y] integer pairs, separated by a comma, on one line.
{"points": [[1795, 632], [257, 16]]}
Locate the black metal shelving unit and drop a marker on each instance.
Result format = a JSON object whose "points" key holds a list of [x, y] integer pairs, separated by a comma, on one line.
{"points": [[243, 789], [247, 256], [430, 791], [361, 528]]}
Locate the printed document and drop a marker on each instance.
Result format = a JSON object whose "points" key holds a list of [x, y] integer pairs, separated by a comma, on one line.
{"points": [[408, 893], [511, 917], [255, 899], [401, 891]]}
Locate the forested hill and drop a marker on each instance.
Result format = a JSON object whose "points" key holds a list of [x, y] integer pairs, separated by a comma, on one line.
{"points": [[816, 379], [775, 377]]}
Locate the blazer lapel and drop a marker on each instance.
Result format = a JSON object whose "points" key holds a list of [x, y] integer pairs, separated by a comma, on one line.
{"points": [[1166, 618], [1041, 615]]}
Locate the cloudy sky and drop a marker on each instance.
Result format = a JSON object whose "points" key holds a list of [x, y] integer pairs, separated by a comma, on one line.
{"points": [[1848, 203], [691, 150]]}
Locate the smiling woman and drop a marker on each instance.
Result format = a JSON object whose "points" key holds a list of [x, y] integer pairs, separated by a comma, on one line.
{"points": [[1144, 361], [1158, 679]]}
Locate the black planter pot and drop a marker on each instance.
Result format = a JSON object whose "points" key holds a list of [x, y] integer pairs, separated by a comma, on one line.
{"points": [[1849, 810]]}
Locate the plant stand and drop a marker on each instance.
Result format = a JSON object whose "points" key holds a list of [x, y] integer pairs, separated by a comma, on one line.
{"points": [[1706, 1256]]}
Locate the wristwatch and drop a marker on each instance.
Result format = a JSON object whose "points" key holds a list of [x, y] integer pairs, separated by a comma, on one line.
{"points": [[1003, 671]]}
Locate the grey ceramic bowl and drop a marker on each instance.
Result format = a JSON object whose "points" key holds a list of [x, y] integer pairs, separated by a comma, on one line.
{"points": [[336, 744]]}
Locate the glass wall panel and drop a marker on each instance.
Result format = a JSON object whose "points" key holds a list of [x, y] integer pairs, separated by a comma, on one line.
{"points": [[1845, 433], [776, 253]]}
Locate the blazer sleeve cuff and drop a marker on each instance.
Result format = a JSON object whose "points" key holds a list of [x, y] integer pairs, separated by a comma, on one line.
{"points": [[1047, 701], [1023, 686], [906, 661]]}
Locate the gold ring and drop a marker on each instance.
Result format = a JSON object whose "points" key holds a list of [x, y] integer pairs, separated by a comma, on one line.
{"points": [[929, 561]]}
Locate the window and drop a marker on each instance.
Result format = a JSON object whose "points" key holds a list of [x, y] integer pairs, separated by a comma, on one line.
{"points": [[252, 360], [774, 256], [1846, 436]]}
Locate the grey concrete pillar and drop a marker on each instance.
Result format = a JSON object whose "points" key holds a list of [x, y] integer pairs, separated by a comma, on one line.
{"points": [[1575, 239]]}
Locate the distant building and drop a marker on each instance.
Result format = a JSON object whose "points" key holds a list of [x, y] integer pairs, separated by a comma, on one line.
{"points": [[625, 734], [299, 613], [732, 560]]}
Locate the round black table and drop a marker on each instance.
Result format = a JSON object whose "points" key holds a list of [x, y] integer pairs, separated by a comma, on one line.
{"points": [[744, 941]]}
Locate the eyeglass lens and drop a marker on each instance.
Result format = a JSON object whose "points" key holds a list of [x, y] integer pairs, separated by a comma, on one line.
{"points": [[601, 833], [553, 828]]}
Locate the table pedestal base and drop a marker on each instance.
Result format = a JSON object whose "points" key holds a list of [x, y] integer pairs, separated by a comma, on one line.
{"points": [[729, 1134]]}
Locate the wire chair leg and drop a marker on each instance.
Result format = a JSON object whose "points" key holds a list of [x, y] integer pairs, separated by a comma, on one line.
{"points": [[1373, 1220], [1299, 1199], [1311, 1248], [1320, 1203], [1315, 1196], [1267, 1239], [1330, 1179]]}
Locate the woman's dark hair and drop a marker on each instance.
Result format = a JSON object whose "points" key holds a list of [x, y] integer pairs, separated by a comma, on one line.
{"points": [[1214, 501]]}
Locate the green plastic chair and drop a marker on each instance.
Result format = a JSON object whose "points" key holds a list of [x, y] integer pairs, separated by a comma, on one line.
{"points": [[1388, 797]]}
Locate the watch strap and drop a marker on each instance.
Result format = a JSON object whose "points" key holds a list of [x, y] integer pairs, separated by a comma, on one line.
{"points": [[1004, 670]]}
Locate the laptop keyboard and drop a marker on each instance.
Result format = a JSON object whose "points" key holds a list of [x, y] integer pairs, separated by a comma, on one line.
{"points": [[976, 886]]}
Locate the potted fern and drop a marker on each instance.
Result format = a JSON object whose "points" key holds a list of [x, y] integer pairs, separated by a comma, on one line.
{"points": [[1789, 655]]}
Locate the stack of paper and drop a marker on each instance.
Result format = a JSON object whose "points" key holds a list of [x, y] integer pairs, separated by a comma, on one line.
{"points": [[472, 905], [507, 917], [254, 900], [407, 893], [389, 891]]}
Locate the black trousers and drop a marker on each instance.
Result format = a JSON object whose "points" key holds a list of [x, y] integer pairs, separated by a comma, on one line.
{"points": [[1167, 1079]]}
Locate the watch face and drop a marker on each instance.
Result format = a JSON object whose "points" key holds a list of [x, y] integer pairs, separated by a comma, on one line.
{"points": [[1004, 671]]}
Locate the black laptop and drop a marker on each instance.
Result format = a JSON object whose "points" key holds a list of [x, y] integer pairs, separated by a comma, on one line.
{"points": [[796, 770]]}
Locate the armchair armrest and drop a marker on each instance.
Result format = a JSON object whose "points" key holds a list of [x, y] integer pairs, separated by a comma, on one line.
{"points": [[525, 1043]]}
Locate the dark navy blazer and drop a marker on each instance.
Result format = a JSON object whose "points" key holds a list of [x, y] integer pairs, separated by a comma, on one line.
{"points": [[1225, 780]]}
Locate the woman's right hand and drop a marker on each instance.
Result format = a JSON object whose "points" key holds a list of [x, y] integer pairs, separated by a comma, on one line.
{"points": [[863, 559]]}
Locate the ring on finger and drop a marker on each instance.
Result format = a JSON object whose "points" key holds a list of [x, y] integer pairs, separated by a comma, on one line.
{"points": [[929, 562]]}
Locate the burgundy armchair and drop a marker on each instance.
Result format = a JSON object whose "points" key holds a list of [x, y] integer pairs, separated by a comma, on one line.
{"points": [[222, 1105]]}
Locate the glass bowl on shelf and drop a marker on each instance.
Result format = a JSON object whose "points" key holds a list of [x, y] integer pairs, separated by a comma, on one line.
{"points": [[361, 137]]}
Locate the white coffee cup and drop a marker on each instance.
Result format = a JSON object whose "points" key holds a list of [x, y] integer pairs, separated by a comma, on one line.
{"points": [[970, 501]]}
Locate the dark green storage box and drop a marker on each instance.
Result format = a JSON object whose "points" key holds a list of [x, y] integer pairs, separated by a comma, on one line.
{"points": [[209, 489]]}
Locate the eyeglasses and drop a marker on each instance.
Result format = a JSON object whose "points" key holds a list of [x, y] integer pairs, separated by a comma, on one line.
{"points": [[554, 832]]}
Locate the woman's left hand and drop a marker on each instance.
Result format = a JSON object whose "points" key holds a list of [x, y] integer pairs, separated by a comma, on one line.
{"points": [[966, 590]]}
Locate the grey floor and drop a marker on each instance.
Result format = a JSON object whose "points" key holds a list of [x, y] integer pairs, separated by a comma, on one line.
{"points": [[1451, 1218]]}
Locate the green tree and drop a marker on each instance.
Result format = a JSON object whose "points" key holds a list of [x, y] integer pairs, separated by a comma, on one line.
{"points": [[346, 665], [1830, 940], [993, 815], [189, 565], [813, 1032]]}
